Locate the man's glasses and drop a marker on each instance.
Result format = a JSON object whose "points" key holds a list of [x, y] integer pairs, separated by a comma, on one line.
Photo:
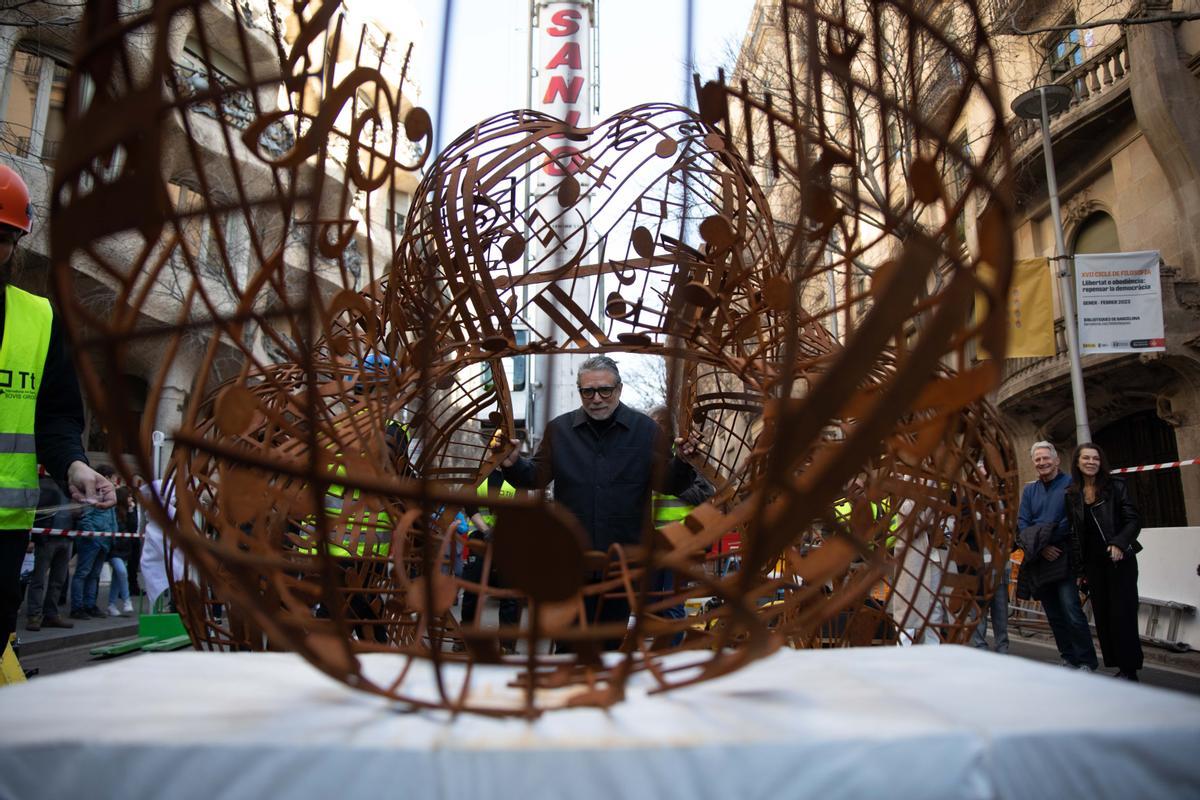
{"points": [[588, 392]]}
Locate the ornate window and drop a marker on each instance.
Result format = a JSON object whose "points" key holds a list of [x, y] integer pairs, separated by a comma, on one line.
{"points": [[31, 108], [397, 214], [1063, 50]]}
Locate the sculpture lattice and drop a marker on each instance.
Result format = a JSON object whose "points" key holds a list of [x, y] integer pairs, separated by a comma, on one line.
{"points": [[800, 400]]}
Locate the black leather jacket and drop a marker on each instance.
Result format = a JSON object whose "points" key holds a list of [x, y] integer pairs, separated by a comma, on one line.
{"points": [[1116, 516]]}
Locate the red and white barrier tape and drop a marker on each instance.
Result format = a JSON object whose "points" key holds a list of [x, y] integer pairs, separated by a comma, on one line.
{"points": [[65, 532], [1148, 467]]}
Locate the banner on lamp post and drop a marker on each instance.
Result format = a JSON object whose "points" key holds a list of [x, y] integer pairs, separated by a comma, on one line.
{"points": [[1030, 308], [1119, 299]]}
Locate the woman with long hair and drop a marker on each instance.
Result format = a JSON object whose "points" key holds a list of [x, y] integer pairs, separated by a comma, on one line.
{"points": [[1104, 528], [119, 559]]}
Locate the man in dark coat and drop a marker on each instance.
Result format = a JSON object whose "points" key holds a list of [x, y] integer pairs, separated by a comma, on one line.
{"points": [[600, 459]]}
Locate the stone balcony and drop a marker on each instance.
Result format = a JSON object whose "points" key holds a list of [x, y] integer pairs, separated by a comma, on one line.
{"points": [[1098, 85], [943, 85]]}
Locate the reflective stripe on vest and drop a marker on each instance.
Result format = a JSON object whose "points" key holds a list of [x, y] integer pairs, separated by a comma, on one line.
{"points": [[485, 513], [27, 321], [668, 508], [842, 510], [358, 530]]}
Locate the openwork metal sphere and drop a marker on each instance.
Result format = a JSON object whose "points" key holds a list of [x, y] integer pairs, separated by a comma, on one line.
{"points": [[340, 386]]}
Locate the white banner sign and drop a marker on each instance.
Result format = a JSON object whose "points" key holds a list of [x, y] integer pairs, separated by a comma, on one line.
{"points": [[1120, 303]]}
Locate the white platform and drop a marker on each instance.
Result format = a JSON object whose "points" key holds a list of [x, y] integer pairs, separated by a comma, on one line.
{"points": [[921, 722], [1167, 571]]}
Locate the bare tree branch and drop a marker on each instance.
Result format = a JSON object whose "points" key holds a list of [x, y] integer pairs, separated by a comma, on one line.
{"points": [[1174, 16]]}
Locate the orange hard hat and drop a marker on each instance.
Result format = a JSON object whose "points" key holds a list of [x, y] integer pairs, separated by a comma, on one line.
{"points": [[15, 208]]}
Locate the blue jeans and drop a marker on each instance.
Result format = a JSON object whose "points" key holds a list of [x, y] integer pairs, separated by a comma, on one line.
{"points": [[89, 558], [664, 581], [1070, 626], [118, 590], [997, 609]]}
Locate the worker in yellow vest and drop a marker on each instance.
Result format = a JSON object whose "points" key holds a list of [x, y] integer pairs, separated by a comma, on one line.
{"points": [[359, 537], [363, 530], [483, 520], [843, 511], [41, 412], [367, 528], [668, 508], [359, 530]]}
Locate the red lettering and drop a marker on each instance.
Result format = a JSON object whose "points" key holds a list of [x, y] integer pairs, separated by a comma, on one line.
{"points": [[554, 164], [572, 122], [566, 20], [558, 86], [568, 56]]}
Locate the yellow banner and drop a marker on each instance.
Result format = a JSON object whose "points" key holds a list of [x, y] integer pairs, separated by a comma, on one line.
{"points": [[1030, 309]]}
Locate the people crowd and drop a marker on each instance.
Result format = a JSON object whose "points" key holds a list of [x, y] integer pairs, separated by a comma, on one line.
{"points": [[1078, 534], [52, 583], [1077, 530]]}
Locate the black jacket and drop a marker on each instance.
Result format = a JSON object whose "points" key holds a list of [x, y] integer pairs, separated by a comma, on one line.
{"points": [[604, 480], [1036, 572], [1115, 514]]}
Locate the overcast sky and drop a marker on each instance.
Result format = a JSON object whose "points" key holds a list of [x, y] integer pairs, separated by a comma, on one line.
{"points": [[642, 56]]}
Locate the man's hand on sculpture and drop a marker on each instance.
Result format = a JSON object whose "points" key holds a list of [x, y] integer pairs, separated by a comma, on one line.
{"points": [[513, 454], [90, 487], [686, 447]]}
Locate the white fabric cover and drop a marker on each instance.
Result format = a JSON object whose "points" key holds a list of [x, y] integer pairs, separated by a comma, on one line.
{"points": [[920, 722]]}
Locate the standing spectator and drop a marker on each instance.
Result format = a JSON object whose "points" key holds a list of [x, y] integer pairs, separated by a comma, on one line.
{"points": [[1104, 528], [153, 563], [1043, 503], [917, 603], [91, 552], [51, 557], [132, 524], [41, 414], [997, 607], [669, 508], [121, 555], [483, 519]]}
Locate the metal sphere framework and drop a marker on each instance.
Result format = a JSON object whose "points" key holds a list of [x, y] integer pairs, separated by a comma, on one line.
{"points": [[340, 386]]}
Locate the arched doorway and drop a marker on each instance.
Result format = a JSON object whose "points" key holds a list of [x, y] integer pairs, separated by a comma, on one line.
{"points": [[1143, 438], [1096, 234]]}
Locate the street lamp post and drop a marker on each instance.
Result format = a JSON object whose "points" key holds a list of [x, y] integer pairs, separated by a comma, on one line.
{"points": [[1038, 104]]}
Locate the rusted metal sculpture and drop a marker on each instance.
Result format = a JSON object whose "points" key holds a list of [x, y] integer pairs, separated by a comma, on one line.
{"points": [[347, 396]]}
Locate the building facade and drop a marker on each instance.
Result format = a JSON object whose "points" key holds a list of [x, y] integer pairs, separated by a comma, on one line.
{"points": [[1127, 152], [205, 168], [1127, 156]]}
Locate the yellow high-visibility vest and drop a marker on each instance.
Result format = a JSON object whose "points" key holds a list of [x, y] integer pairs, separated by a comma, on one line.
{"points": [[27, 322], [843, 508], [354, 530], [506, 490], [668, 508]]}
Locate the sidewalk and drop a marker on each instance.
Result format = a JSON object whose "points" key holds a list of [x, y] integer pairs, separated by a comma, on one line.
{"points": [[85, 632], [1039, 633]]}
